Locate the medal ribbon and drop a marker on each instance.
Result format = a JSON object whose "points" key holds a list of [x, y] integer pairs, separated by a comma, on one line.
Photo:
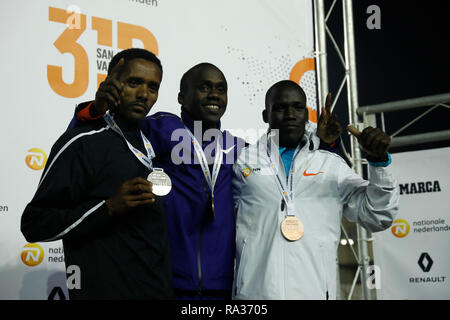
{"points": [[287, 191], [210, 179], [146, 160]]}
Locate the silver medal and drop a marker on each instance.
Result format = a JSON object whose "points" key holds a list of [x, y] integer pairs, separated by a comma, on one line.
{"points": [[161, 182]]}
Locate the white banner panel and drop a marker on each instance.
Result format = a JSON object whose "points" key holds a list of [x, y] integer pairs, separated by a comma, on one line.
{"points": [[55, 53], [413, 256]]}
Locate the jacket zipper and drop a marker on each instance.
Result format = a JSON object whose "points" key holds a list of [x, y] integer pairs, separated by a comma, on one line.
{"points": [[199, 251], [199, 264], [325, 275]]}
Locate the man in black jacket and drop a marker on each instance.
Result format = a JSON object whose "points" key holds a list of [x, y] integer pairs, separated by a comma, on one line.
{"points": [[94, 195]]}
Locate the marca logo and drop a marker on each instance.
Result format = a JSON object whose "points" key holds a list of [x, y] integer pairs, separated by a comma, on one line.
{"points": [[36, 159], [420, 187], [32, 254], [400, 228], [66, 43]]}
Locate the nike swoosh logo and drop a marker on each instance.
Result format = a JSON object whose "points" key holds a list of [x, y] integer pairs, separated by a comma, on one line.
{"points": [[228, 150], [306, 174]]}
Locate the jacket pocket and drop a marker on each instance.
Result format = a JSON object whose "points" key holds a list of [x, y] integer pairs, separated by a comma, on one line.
{"points": [[324, 273], [328, 273], [240, 267]]}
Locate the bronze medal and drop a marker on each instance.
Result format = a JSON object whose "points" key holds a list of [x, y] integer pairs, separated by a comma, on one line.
{"points": [[161, 183], [292, 228]]}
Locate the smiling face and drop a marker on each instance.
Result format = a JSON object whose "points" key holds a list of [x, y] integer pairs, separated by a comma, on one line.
{"points": [[204, 93], [141, 80], [286, 111]]}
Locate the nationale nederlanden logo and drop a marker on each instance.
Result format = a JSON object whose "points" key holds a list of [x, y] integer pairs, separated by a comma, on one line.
{"points": [[246, 172], [400, 228], [32, 254], [36, 159]]}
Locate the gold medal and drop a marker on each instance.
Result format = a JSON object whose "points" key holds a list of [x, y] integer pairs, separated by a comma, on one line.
{"points": [[292, 228]]}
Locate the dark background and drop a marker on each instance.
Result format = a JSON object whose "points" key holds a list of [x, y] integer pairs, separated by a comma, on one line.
{"points": [[407, 58]]}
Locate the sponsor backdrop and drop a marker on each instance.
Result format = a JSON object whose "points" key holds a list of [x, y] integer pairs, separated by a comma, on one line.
{"points": [[413, 255], [55, 53]]}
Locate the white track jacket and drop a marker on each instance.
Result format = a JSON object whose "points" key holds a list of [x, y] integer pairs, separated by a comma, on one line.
{"points": [[270, 267]]}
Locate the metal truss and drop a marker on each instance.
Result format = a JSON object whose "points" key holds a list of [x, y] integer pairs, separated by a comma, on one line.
{"points": [[349, 83], [367, 113]]}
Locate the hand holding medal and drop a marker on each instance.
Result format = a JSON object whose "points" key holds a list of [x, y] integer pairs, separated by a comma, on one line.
{"points": [[160, 181], [132, 193]]}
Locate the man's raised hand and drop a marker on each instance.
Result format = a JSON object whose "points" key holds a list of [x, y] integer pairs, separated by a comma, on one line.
{"points": [[373, 141], [328, 128], [109, 92]]}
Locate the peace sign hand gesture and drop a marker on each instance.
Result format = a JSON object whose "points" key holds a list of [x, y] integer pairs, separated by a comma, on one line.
{"points": [[328, 128]]}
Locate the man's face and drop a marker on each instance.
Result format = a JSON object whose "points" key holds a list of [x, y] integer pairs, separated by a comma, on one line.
{"points": [[205, 95], [141, 80], [286, 111]]}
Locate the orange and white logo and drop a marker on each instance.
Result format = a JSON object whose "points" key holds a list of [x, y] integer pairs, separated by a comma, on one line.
{"points": [[36, 159], [400, 228], [307, 174], [67, 43], [32, 254], [246, 172]]}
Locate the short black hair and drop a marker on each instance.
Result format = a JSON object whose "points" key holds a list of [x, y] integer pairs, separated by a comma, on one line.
{"points": [[185, 78], [134, 53], [283, 84]]}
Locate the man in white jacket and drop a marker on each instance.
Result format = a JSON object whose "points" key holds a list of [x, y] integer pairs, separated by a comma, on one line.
{"points": [[290, 199]]}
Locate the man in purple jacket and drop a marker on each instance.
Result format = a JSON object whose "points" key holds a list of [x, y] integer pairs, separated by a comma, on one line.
{"points": [[199, 208]]}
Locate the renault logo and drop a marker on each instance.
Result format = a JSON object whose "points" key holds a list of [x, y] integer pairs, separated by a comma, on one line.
{"points": [[425, 262]]}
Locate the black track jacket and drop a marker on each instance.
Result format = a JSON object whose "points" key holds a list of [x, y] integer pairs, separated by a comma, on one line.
{"points": [[124, 257]]}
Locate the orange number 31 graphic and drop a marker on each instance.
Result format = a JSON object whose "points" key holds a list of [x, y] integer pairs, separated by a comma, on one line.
{"points": [[67, 43]]}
